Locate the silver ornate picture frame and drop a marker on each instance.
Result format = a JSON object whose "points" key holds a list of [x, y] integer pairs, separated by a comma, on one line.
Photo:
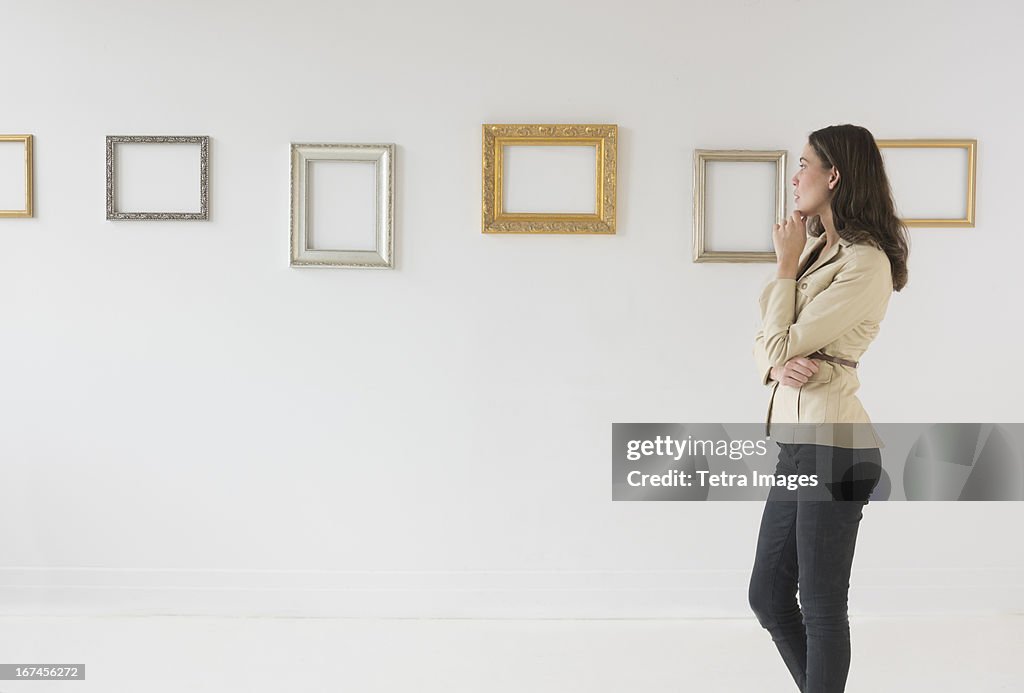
{"points": [[383, 157], [204, 177], [701, 157]]}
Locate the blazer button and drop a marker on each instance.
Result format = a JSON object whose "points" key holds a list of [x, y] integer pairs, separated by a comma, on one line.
{"points": [[804, 285]]}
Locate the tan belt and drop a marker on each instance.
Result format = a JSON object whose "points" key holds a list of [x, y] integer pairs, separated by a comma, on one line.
{"points": [[834, 359]]}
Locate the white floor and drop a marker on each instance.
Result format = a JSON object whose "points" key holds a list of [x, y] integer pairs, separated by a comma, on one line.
{"points": [[166, 653]]}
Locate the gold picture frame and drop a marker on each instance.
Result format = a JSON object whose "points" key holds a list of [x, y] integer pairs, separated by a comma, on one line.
{"points": [[700, 159], [497, 136], [27, 211], [971, 147]]}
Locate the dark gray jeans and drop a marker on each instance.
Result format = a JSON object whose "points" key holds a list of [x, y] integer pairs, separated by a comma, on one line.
{"points": [[806, 542]]}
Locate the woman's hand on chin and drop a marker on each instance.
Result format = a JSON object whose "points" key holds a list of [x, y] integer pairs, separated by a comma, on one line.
{"points": [[789, 238]]}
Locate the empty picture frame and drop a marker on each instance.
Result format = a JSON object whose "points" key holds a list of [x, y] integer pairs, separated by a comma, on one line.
{"points": [[15, 194], [770, 200], [561, 178], [933, 181], [204, 177], [377, 233]]}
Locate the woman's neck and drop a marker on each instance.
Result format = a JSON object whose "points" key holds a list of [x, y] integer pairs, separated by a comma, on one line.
{"points": [[831, 235]]}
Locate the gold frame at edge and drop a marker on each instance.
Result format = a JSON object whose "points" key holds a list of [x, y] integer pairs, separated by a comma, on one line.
{"points": [[972, 165], [27, 212]]}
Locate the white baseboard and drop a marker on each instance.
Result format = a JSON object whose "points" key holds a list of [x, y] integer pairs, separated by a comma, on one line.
{"points": [[477, 594]]}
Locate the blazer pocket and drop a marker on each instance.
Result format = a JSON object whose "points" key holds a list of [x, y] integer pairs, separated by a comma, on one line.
{"points": [[824, 374], [810, 288], [813, 396]]}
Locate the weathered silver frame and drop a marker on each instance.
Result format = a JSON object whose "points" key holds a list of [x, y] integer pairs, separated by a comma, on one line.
{"points": [[204, 177], [383, 156], [700, 159]]}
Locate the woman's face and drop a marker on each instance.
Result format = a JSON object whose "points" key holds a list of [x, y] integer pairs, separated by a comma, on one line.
{"points": [[813, 184]]}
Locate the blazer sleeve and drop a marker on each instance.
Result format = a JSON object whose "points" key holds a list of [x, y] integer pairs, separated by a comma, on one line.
{"points": [[857, 290], [764, 366]]}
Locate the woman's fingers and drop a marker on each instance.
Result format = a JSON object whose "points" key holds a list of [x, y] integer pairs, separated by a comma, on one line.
{"points": [[801, 371], [804, 366], [797, 371]]}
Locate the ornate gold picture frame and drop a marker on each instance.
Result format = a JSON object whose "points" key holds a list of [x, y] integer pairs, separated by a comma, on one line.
{"points": [[496, 137], [701, 157], [971, 148], [27, 210]]}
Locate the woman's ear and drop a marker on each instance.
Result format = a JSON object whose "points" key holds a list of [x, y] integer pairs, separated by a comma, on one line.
{"points": [[833, 178]]}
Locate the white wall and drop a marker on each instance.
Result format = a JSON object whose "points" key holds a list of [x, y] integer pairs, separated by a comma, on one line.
{"points": [[189, 425]]}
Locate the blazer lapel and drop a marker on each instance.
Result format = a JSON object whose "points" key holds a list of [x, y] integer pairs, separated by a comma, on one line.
{"points": [[808, 253], [825, 258]]}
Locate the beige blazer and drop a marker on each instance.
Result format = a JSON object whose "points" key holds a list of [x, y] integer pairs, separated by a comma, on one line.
{"points": [[835, 304]]}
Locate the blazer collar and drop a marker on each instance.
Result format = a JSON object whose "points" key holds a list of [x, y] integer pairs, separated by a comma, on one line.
{"points": [[821, 260]]}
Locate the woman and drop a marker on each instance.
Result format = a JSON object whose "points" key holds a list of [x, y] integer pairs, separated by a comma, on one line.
{"points": [[840, 256]]}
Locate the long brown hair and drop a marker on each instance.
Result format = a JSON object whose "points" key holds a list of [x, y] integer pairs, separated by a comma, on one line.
{"points": [[862, 203]]}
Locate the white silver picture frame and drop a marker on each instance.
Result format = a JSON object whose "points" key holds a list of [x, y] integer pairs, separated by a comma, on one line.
{"points": [[701, 157], [302, 156], [204, 177]]}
